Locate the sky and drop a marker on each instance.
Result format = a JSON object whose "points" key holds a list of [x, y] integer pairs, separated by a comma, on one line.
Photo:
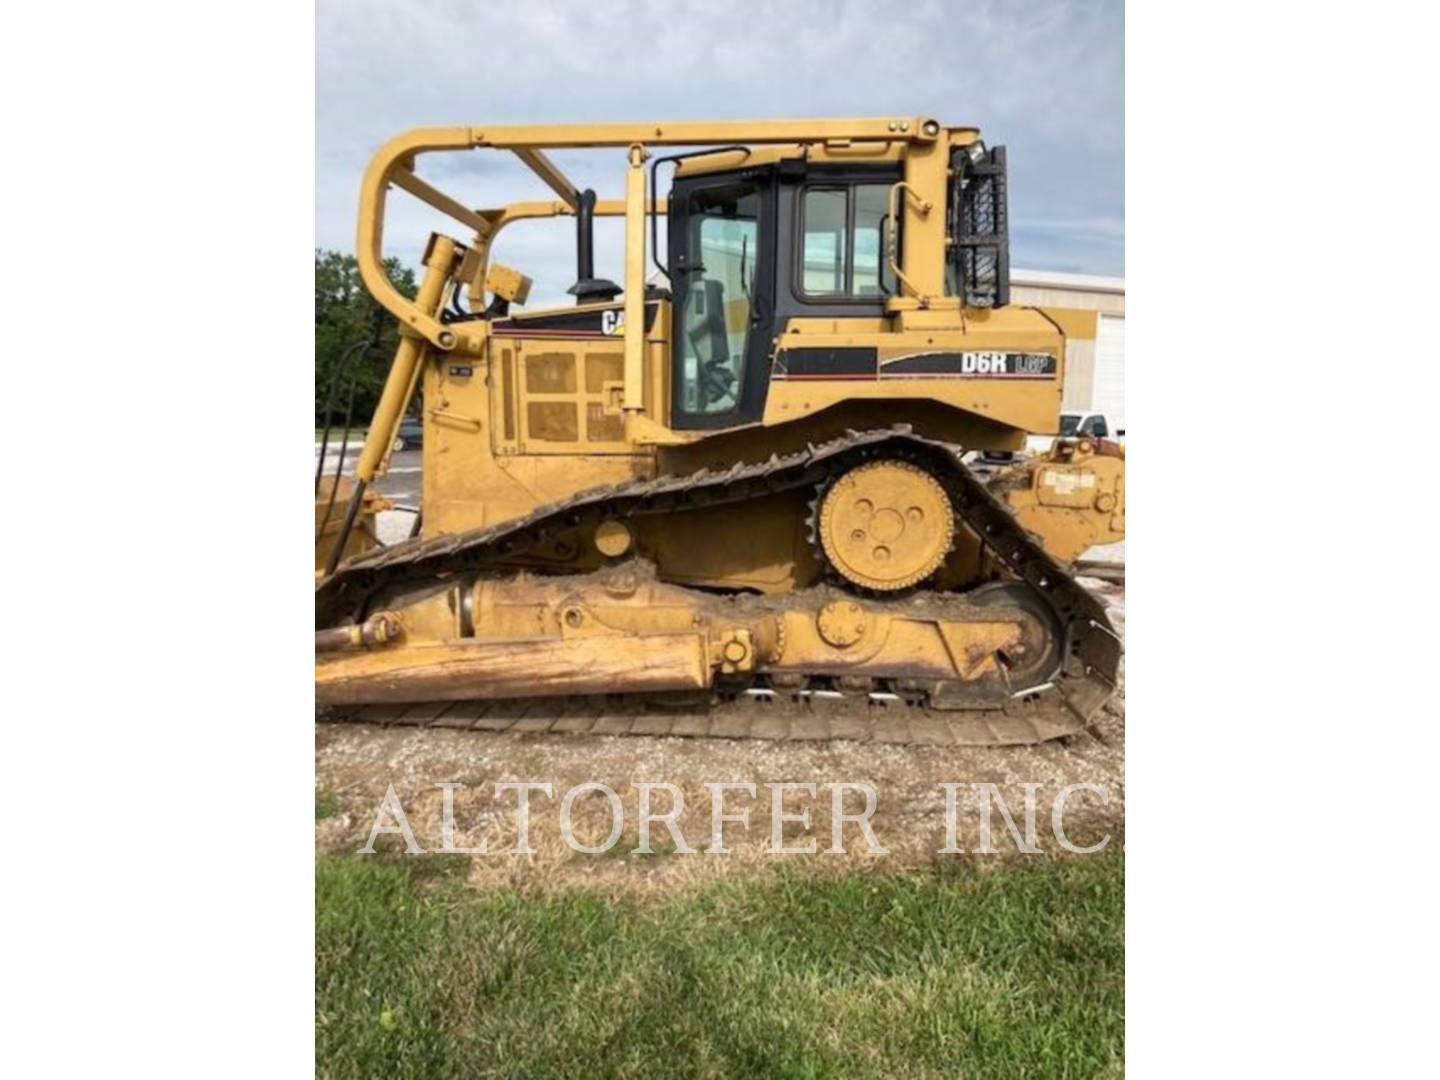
{"points": [[1045, 79]]}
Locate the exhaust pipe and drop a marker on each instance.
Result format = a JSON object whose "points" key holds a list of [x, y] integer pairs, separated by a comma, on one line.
{"points": [[588, 289]]}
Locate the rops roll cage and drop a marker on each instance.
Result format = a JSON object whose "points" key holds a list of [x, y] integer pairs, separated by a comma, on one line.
{"points": [[394, 164]]}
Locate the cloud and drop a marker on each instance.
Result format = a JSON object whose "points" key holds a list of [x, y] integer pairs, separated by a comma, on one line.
{"points": [[1045, 79]]}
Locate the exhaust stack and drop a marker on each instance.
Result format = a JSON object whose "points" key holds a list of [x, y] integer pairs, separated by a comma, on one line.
{"points": [[588, 289]]}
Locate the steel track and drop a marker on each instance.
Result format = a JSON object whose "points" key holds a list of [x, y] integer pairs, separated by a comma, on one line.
{"points": [[747, 716], [1064, 706]]}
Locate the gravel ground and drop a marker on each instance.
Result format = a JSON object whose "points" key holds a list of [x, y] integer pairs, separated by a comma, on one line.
{"points": [[355, 764]]}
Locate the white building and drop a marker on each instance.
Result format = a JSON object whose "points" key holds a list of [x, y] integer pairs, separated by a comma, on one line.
{"points": [[1094, 370]]}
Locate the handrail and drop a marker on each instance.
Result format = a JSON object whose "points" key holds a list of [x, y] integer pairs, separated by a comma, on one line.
{"points": [[891, 233]]}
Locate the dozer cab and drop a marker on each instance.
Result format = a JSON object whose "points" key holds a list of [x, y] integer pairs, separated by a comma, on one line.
{"points": [[738, 474]]}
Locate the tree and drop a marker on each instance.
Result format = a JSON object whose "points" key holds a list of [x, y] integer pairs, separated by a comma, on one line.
{"points": [[347, 315]]}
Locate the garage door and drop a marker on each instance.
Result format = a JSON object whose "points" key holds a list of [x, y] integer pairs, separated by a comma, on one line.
{"points": [[1109, 396]]}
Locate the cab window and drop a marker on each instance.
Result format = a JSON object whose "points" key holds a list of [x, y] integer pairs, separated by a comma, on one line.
{"points": [[825, 253], [842, 249], [714, 321], [872, 276]]}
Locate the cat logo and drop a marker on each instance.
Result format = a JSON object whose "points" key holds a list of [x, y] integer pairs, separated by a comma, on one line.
{"points": [[612, 322]]}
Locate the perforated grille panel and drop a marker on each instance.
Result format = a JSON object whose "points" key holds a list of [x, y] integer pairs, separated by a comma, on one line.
{"points": [[980, 228]]}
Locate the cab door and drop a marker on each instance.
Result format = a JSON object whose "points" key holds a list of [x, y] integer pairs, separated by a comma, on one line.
{"points": [[722, 271]]}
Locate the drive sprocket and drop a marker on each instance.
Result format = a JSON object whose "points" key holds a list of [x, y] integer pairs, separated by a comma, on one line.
{"points": [[885, 525]]}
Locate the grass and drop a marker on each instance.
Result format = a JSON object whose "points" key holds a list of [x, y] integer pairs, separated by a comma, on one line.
{"points": [[357, 434], [327, 804], [1016, 971]]}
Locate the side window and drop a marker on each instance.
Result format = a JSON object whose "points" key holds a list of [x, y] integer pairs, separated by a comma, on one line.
{"points": [[842, 247], [872, 219], [1099, 428], [825, 266]]}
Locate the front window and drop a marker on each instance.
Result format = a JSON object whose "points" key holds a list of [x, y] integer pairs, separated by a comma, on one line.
{"points": [[714, 327], [1068, 423]]}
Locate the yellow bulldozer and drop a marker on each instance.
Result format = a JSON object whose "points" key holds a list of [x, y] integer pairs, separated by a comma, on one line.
{"points": [[739, 480]]}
